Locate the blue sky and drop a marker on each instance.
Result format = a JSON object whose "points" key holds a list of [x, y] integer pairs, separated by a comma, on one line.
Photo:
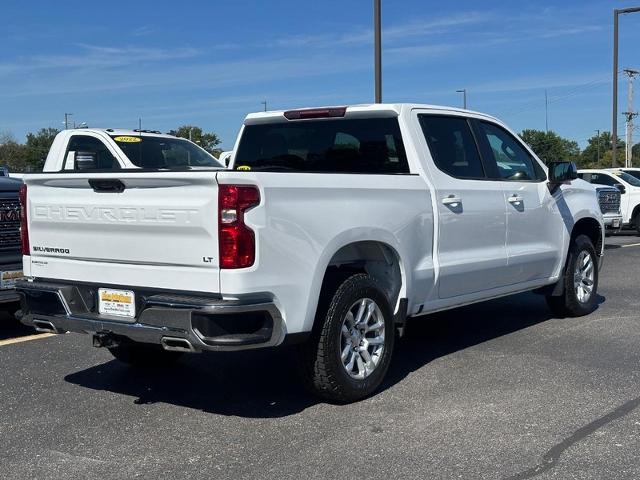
{"points": [[209, 63]]}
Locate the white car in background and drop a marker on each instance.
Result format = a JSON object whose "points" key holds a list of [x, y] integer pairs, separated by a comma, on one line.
{"points": [[627, 184]]}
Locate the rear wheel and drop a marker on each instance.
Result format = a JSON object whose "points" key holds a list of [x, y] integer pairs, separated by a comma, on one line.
{"points": [[349, 352], [636, 222], [580, 281], [144, 355]]}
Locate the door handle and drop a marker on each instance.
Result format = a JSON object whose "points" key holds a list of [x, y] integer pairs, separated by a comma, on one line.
{"points": [[452, 201], [107, 185], [515, 199]]}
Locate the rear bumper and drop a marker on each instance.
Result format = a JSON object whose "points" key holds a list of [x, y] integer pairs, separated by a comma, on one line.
{"points": [[206, 323]]}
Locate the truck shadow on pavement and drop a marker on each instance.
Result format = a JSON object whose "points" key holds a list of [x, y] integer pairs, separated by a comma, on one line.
{"points": [[265, 383]]}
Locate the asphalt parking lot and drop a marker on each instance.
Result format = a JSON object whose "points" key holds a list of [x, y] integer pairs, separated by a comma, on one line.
{"points": [[500, 390]]}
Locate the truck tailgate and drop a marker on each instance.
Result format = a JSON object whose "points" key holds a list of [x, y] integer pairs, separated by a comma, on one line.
{"points": [[160, 231]]}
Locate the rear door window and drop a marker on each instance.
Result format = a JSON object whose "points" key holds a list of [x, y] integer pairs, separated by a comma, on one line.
{"points": [[371, 145], [452, 146], [602, 179]]}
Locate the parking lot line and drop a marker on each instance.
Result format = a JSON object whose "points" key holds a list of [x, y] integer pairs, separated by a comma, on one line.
{"points": [[28, 338], [631, 245]]}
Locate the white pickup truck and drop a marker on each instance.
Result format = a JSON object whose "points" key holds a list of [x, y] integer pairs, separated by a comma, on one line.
{"points": [[628, 185], [330, 227]]}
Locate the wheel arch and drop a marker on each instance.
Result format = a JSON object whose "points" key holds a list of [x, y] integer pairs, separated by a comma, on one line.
{"points": [[378, 258], [590, 227]]}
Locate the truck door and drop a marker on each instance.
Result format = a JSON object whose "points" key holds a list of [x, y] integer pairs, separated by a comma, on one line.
{"points": [[471, 251], [534, 224]]}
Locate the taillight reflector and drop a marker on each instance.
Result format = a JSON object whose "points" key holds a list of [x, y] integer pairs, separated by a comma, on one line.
{"points": [[330, 112], [24, 225], [237, 245]]}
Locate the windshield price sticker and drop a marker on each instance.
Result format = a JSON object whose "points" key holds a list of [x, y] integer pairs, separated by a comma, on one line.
{"points": [[127, 139]]}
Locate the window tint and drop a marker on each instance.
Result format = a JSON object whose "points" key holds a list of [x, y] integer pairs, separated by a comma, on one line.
{"points": [[513, 161], [630, 179], [89, 154], [371, 145], [163, 152], [633, 173], [452, 145], [599, 179]]}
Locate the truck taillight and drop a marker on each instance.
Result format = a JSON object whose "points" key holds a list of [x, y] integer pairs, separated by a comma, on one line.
{"points": [[24, 225], [237, 241]]}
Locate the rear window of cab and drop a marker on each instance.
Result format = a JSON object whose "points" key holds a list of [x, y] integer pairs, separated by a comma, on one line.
{"points": [[371, 146], [163, 152]]}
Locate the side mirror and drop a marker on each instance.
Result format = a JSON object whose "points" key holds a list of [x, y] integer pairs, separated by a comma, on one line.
{"points": [[86, 160], [560, 172], [620, 187]]}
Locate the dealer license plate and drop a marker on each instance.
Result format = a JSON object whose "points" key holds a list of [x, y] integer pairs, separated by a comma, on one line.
{"points": [[121, 303], [8, 278]]}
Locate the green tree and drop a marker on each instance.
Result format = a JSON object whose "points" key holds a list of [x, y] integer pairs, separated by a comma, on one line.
{"points": [[550, 147], [38, 145], [208, 141], [13, 156], [589, 156]]}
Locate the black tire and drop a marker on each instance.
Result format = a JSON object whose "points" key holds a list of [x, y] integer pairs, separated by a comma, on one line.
{"points": [[636, 222], [568, 304], [12, 309], [144, 355], [320, 358]]}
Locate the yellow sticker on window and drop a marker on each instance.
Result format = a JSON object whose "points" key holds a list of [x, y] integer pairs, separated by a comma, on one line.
{"points": [[126, 139], [244, 168]]}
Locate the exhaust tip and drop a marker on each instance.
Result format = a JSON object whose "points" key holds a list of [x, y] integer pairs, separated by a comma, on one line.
{"points": [[177, 344], [44, 326]]}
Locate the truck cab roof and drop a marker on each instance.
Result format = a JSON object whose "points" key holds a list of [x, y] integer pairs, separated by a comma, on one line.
{"points": [[362, 110]]}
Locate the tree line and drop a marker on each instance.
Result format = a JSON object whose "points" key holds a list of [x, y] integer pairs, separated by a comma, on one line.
{"points": [[30, 156], [549, 146]]}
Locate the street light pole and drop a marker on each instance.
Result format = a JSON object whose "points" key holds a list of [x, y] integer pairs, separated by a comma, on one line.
{"points": [[377, 28], [598, 132], [614, 113], [463, 91], [265, 105]]}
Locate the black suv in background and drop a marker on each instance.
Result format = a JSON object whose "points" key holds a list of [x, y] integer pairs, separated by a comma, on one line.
{"points": [[10, 246]]}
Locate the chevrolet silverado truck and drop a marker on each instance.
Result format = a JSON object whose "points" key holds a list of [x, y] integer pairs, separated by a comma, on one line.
{"points": [[328, 230]]}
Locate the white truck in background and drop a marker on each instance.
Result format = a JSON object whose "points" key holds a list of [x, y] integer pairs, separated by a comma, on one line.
{"points": [[627, 184], [330, 227]]}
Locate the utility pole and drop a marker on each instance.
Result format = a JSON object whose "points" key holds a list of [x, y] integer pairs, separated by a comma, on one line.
{"points": [[463, 91], [598, 132], [66, 120], [546, 111], [265, 105], [377, 53], [614, 110], [629, 114]]}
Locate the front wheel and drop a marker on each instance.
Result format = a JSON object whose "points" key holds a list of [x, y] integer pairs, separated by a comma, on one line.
{"points": [[580, 281], [349, 352]]}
